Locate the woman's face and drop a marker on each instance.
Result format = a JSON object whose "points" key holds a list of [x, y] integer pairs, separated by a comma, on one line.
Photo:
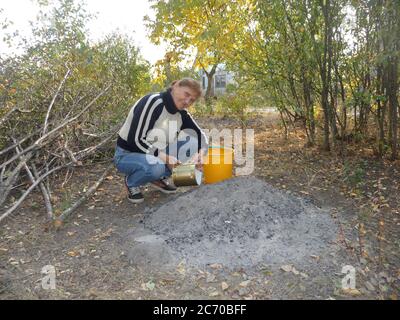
{"points": [[183, 97]]}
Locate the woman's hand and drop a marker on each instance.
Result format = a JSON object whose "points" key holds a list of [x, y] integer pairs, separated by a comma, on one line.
{"points": [[170, 161], [198, 160]]}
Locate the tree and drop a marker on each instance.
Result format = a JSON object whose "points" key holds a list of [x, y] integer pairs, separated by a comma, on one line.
{"points": [[201, 29]]}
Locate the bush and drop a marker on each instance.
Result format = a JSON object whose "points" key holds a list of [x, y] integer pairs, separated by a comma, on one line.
{"points": [[31, 80]]}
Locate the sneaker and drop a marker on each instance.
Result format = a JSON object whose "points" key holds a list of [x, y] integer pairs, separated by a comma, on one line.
{"points": [[134, 194], [164, 186]]}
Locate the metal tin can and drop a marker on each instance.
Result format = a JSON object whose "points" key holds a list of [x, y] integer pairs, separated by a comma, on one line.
{"points": [[186, 175]]}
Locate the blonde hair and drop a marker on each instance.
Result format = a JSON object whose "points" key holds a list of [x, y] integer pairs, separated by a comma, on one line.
{"points": [[190, 83]]}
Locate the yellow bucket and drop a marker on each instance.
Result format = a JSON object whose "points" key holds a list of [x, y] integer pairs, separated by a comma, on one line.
{"points": [[218, 165]]}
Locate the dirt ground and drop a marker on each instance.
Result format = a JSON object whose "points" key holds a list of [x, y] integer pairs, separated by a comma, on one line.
{"points": [[360, 192]]}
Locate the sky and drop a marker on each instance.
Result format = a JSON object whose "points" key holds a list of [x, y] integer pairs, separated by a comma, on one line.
{"points": [[123, 15]]}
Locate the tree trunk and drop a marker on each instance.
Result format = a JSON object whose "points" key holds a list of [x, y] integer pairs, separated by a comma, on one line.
{"points": [[392, 45], [210, 78], [310, 120], [325, 78], [380, 112], [393, 106]]}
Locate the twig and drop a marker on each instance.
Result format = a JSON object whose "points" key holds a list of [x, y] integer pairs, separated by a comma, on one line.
{"points": [[70, 153], [68, 176], [361, 233], [46, 194], [2, 175], [46, 198], [381, 237], [87, 194], [53, 100], [4, 118], [38, 180], [88, 150], [12, 147], [6, 187], [38, 143], [29, 190], [32, 177], [31, 149], [335, 216]]}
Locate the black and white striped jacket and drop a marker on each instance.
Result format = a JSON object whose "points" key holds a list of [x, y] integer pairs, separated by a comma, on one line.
{"points": [[154, 122]]}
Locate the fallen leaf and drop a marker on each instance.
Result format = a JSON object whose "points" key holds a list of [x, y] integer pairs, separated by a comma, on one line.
{"points": [[294, 271], [181, 268], [286, 268], [13, 262], [369, 286], [73, 253], [92, 293], [224, 286], [130, 291], [57, 223], [210, 278], [244, 283], [214, 294], [167, 281], [351, 292], [216, 266]]}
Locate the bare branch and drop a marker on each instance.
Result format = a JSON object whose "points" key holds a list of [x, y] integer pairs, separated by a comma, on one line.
{"points": [[12, 147], [46, 194], [42, 177], [68, 176], [32, 177], [29, 190], [5, 117], [71, 154], [46, 197], [53, 100], [85, 152], [6, 186], [87, 194], [39, 142]]}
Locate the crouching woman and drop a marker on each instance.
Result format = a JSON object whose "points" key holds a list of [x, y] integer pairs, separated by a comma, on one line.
{"points": [[158, 135]]}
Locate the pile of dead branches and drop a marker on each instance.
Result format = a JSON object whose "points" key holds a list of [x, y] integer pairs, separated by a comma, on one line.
{"points": [[58, 144]]}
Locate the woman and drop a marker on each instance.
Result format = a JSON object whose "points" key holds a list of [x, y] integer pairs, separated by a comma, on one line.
{"points": [[158, 135]]}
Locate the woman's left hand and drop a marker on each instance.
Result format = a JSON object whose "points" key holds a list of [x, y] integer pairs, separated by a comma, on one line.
{"points": [[198, 160]]}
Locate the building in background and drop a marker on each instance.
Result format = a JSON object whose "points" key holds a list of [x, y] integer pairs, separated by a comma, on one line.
{"points": [[221, 79]]}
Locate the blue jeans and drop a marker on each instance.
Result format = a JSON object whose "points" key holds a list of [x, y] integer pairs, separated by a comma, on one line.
{"points": [[140, 168]]}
